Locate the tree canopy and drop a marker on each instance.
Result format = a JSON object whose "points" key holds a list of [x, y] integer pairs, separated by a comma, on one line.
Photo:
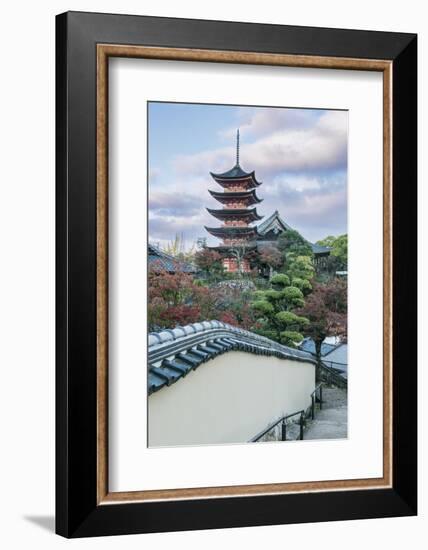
{"points": [[274, 311], [291, 242], [326, 311], [339, 248], [210, 261]]}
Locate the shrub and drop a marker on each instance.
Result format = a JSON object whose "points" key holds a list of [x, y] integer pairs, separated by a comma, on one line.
{"points": [[272, 295], [290, 338], [290, 318], [280, 279], [294, 296], [303, 284], [263, 307]]}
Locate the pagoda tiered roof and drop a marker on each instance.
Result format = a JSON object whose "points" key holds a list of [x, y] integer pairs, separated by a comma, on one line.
{"points": [[237, 176], [224, 248], [239, 213], [233, 232], [239, 193], [249, 196]]}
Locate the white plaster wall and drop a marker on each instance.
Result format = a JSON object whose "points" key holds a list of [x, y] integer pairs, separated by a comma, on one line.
{"points": [[229, 399]]}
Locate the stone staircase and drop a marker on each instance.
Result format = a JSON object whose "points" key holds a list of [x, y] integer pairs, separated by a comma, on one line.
{"points": [[331, 422]]}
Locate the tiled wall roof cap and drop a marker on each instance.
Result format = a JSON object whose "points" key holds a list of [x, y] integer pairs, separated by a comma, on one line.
{"points": [[178, 332], [165, 336], [153, 339], [173, 351]]}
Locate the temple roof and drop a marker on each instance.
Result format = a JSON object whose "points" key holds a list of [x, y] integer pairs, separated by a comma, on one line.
{"points": [[226, 213], [273, 223], [277, 225], [159, 260], [236, 174], [232, 231], [235, 195], [319, 249]]}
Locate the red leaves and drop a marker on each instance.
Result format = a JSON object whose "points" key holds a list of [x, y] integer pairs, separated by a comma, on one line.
{"points": [[179, 315], [176, 299], [230, 318], [271, 256], [205, 258], [172, 298], [326, 309]]}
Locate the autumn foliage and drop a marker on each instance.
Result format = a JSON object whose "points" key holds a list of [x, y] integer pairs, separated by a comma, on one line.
{"points": [[291, 304], [178, 299], [326, 310]]}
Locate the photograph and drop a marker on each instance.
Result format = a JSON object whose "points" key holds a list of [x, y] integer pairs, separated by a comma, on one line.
{"points": [[247, 270], [213, 258]]}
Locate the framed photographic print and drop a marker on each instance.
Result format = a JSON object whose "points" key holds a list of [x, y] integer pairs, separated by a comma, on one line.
{"points": [[236, 274]]}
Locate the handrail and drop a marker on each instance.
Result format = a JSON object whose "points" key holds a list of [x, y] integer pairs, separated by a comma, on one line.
{"points": [[302, 414], [283, 427], [317, 388], [313, 398], [332, 375]]}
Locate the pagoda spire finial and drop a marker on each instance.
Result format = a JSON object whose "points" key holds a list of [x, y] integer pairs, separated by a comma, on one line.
{"points": [[237, 147]]}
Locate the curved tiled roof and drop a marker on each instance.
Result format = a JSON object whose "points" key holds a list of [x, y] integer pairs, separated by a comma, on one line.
{"points": [[270, 222], [319, 249], [162, 260], [226, 213], [275, 221], [236, 173], [225, 197], [232, 231], [173, 353], [308, 345]]}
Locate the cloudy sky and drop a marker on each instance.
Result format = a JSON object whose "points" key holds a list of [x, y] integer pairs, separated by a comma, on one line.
{"points": [[300, 155]]}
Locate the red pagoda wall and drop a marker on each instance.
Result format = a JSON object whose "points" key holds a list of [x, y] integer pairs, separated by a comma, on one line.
{"points": [[231, 265]]}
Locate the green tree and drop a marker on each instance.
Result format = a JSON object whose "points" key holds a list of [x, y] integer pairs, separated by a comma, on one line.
{"points": [[303, 284], [300, 267], [274, 311], [177, 248], [291, 242], [327, 241], [339, 249]]}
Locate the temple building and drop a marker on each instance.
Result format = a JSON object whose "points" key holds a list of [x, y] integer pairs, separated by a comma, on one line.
{"points": [[160, 261], [237, 235], [270, 229]]}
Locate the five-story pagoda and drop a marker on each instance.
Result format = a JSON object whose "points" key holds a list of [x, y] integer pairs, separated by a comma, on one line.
{"points": [[238, 237]]}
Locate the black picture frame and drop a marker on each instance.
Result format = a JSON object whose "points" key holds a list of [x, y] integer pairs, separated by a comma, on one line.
{"points": [[77, 511]]}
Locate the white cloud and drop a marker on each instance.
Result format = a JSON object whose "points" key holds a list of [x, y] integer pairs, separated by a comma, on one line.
{"points": [[321, 146], [301, 159], [258, 122]]}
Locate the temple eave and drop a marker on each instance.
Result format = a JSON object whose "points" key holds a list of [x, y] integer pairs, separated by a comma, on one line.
{"points": [[236, 213], [246, 184], [233, 232], [235, 176], [225, 249], [248, 197]]}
